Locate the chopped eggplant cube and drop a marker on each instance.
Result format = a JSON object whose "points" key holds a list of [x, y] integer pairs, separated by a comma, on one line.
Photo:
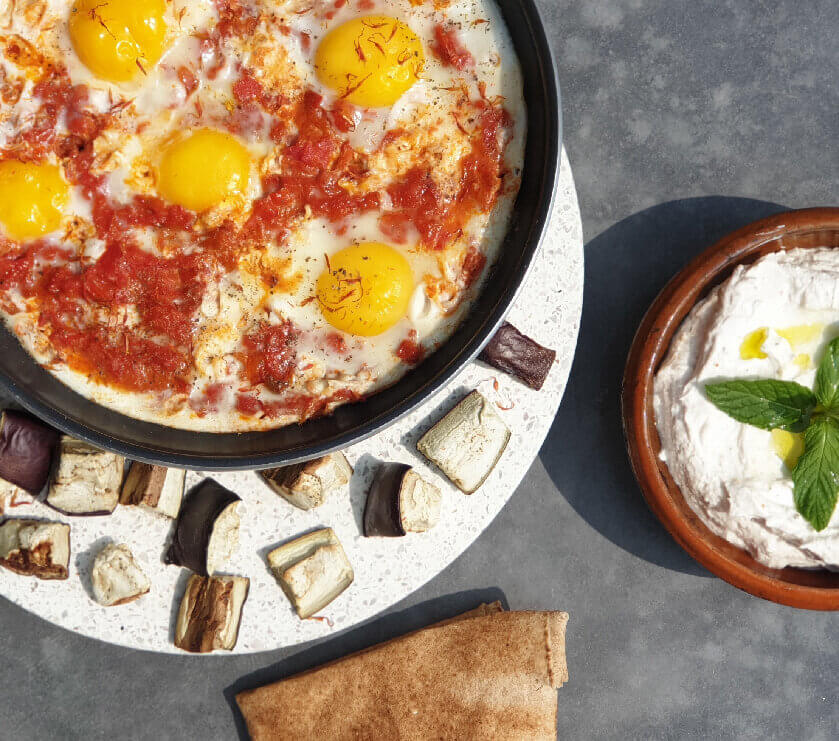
{"points": [[87, 479], [207, 529], [399, 502], [312, 570], [116, 577], [156, 488], [210, 613], [306, 485], [467, 443], [35, 548], [27, 447], [515, 353]]}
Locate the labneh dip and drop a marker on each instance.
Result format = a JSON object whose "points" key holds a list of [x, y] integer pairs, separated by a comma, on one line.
{"points": [[771, 319]]}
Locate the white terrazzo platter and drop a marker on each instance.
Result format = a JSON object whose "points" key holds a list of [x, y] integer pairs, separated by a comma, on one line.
{"points": [[386, 569]]}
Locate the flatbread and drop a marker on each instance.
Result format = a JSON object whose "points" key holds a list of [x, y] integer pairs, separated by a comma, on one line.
{"points": [[486, 674]]}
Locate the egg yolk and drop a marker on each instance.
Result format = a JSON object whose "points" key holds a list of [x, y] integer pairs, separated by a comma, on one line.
{"points": [[118, 39], [203, 169], [365, 288], [32, 198], [371, 61]]}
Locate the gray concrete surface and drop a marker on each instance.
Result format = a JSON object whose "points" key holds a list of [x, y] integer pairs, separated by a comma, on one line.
{"points": [[683, 120]]}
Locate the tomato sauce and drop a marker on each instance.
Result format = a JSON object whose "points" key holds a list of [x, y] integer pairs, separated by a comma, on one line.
{"points": [[473, 265], [418, 201], [410, 351], [449, 49], [269, 357], [128, 319]]}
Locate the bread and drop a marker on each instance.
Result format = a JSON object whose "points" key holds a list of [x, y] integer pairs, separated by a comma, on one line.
{"points": [[484, 675]]}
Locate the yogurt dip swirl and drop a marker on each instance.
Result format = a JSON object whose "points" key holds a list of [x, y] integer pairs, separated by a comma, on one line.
{"points": [[771, 319]]}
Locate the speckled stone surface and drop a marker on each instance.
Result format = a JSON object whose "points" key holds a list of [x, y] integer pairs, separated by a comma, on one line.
{"points": [[386, 569], [683, 120]]}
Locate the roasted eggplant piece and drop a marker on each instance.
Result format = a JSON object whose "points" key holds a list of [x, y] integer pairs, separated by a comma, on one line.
{"points": [[87, 479], [400, 502], [156, 488], [116, 577], [207, 529], [35, 548], [467, 443], [27, 447], [210, 613], [515, 353], [312, 570], [306, 485]]}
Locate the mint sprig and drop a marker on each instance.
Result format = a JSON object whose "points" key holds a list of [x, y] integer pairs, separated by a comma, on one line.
{"points": [[815, 476], [772, 404], [826, 386], [767, 403]]}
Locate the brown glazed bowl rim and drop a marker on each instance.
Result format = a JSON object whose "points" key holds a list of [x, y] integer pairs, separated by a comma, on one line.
{"points": [[816, 589]]}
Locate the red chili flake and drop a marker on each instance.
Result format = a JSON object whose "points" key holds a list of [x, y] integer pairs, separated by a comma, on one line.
{"points": [[404, 56], [188, 80], [349, 91], [459, 125], [359, 50], [322, 619]]}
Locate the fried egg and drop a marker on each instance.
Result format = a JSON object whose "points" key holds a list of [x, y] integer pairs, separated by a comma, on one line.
{"points": [[203, 168], [33, 198], [118, 39], [370, 61], [365, 288]]}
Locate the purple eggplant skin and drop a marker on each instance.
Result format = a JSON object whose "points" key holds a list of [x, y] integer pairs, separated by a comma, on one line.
{"points": [[27, 447], [381, 511], [194, 526], [515, 353]]}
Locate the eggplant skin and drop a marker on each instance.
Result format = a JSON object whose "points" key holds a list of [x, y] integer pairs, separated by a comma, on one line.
{"points": [[37, 548], [86, 480], [210, 613], [194, 527], [381, 511], [515, 353], [27, 447]]}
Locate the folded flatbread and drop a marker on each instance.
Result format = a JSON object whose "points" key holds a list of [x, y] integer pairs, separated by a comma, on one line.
{"points": [[486, 674]]}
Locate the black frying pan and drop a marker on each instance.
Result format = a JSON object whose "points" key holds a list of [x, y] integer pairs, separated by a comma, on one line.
{"points": [[41, 393]]}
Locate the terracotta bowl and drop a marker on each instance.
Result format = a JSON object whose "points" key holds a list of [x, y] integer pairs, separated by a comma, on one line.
{"points": [[810, 589]]}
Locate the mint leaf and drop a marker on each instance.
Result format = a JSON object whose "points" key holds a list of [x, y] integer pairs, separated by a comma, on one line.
{"points": [[768, 404], [816, 475], [827, 377]]}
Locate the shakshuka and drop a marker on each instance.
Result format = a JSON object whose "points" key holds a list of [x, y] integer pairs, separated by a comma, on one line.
{"points": [[232, 215]]}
